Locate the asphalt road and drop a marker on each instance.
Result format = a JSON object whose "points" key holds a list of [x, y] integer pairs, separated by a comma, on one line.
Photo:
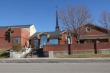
{"points": [[55, 68], [55, 61]]}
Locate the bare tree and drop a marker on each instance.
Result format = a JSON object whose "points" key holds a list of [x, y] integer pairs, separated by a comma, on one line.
{"points": [[104, 19], [73, 17]]}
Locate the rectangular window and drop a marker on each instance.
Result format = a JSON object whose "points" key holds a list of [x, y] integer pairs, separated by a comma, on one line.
{"points": [[53, 41], [15, 40], [89, 41]]}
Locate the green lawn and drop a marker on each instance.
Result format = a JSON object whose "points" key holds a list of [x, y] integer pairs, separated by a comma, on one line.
{"points": [[84, 56], [4, 53]]}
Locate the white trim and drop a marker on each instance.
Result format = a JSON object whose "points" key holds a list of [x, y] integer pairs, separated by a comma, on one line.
{"points": [[42, 33]]}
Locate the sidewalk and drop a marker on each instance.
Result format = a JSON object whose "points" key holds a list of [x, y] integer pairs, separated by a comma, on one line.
{"points": [[57, 59]]}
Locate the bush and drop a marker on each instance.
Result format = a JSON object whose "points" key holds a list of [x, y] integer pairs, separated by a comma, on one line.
{"points": [[4, 53], [17, 47]]}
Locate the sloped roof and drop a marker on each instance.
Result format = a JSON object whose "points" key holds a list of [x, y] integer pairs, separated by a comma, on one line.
{"points": [[94, 36], [96, 26], [57, 34], [16, 26], [53, 34]]}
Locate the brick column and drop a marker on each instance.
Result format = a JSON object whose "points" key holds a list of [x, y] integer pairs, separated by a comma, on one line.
{"points": [[71, 50], [85, 41], [47, 42], [108, 40]]}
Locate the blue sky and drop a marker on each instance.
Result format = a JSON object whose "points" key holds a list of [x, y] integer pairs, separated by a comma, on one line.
{"points": [[41, 13]]}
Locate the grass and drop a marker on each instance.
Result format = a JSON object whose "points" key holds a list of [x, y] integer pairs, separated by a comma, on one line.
{"points": [[4, 53], [84, 56]]}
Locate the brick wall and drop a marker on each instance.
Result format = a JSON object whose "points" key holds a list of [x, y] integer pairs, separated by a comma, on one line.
{"points": [[24, 37], [63, 40], [94, 31], [91, 46], [4, 37], [55, 47], [81, 47]]}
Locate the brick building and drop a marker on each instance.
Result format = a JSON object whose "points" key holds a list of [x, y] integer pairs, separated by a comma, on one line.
{"points": [[95, 34], [91, 34], [19, 35], [56, 40]]}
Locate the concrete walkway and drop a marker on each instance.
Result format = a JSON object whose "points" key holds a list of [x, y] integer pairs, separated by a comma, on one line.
{"points": [[56, 60]]}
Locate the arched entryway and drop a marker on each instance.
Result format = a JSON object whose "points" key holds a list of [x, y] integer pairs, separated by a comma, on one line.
{"points": [[43, 40]]}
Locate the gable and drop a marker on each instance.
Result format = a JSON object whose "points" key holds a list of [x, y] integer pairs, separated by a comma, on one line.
{"points": [[94, 30]]}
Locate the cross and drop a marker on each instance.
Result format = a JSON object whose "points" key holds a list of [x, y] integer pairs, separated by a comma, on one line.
{"points": [[56, 7], [87, 20], [9, 31]]}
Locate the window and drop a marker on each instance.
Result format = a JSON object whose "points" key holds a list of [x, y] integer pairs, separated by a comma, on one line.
{"points": [[43, 40], [15, 40], [89, 41], [36, 44], [53, 41], [88, 29]]}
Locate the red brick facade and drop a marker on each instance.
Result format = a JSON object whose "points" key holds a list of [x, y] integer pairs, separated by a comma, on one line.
{"points": [[20, 33], [97, 43], [94, 31], [55, 47], [90, 46]]}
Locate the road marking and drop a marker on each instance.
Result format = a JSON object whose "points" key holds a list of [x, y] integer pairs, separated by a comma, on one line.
{"points": [[28, 61], [3, 61]]}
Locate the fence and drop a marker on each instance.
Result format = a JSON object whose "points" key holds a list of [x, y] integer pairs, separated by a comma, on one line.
{"points": [[86, 48]]}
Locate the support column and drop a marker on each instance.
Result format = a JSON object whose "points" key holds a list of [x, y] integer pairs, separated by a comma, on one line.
{"points": [[69, 49], [47, 42], [97, 41], [96, 50], [39, 43], [85, 41], [108, 40]]}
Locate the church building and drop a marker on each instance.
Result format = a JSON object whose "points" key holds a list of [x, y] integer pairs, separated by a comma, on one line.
{"points": [[26, 34], [91, 34]]}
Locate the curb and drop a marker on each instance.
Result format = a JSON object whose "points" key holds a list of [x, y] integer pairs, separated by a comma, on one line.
{"points": [[57, 59]]}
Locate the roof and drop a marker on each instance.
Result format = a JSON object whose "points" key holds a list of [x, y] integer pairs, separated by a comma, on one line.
{"points": [[96, 26], [16, 26], [54, 34], [94, 36]]}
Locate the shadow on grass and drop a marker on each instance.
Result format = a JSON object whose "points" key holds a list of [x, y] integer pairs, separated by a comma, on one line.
{"points": [[8, 50], [4, 55]]}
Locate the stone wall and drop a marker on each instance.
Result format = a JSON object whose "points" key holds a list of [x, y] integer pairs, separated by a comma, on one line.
{"points": [[104, 51], [19, 54], [60, 52], [83, 52]]}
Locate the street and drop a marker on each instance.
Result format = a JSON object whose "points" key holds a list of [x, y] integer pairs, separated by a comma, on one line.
{"points": [[55, 68]]}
